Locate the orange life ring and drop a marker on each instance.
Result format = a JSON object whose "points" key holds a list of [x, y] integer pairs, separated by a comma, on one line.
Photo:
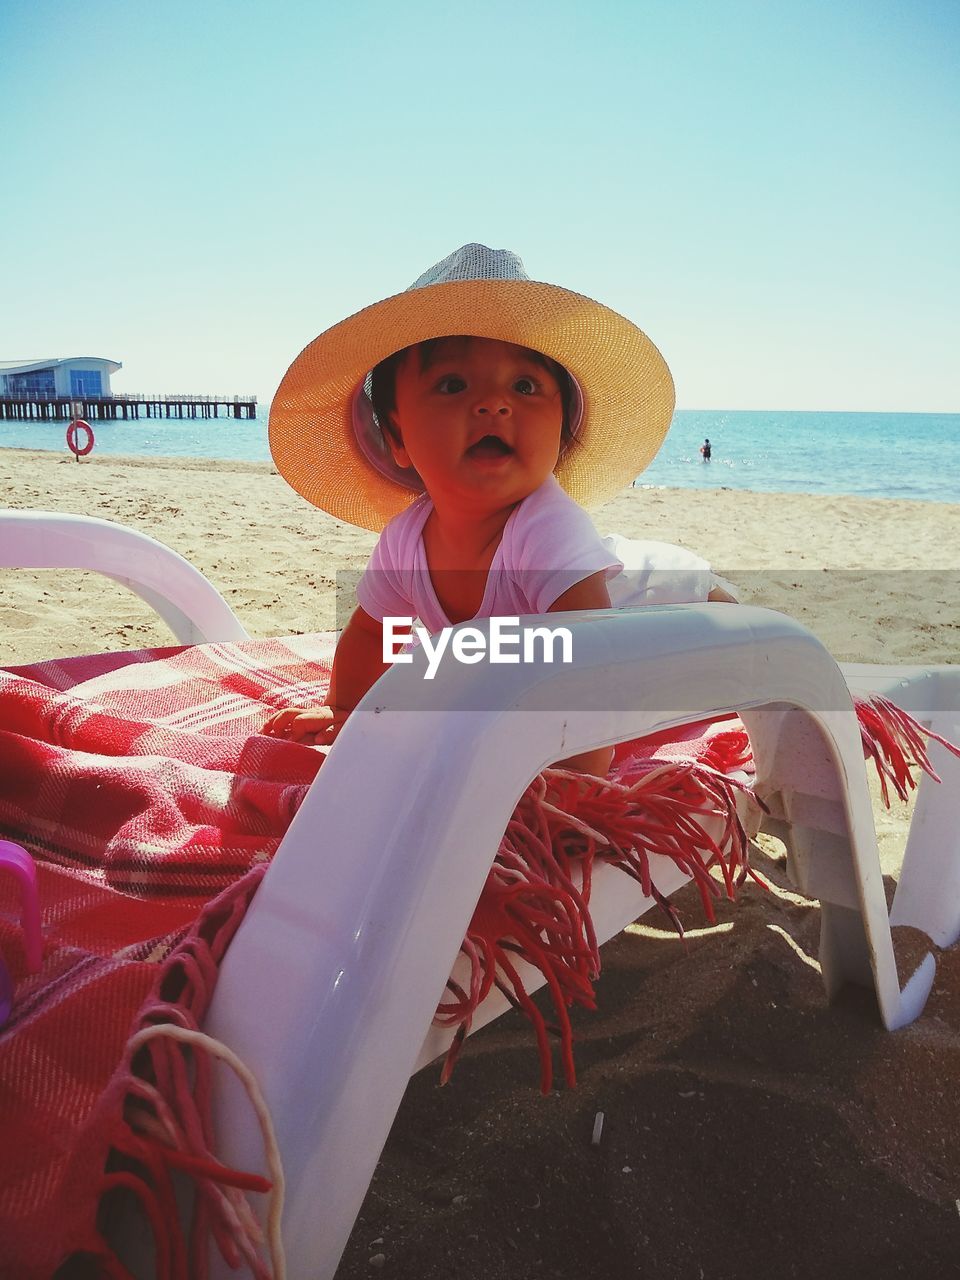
{"points": [[81, 450]]}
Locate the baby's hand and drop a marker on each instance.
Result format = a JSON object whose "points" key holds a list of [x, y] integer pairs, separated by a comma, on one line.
{"points": [[319, 725]]}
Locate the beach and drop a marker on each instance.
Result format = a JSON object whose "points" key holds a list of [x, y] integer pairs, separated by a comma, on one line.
{"points": [[751, 1129], [875, 580]]}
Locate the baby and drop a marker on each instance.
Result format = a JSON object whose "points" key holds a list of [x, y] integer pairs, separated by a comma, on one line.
{"points": [[522, 394]]}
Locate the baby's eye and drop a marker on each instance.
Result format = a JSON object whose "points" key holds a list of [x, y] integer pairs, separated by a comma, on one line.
{"points": [[450, 384], [525, 386]]}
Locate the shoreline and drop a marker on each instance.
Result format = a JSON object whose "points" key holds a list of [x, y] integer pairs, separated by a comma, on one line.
{"points": [[679, 471], [266, 467]]}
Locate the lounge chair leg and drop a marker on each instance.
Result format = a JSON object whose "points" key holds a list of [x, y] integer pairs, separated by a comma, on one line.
{"points": [[844, 950], [820, 808], [928, 892]]}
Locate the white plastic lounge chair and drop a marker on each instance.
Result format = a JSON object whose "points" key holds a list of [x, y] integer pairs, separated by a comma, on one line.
{"points": [[369, 957]]}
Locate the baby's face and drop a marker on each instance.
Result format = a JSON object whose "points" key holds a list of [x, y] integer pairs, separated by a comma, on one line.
{"points": [[481, 422]]}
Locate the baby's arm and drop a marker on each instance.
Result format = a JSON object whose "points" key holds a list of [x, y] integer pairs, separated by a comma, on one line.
{"points": [[357, 665], [591, 593]]}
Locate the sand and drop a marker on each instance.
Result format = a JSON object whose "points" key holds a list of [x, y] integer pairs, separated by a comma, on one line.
{"points": [[751, 1130], [877, 581]]}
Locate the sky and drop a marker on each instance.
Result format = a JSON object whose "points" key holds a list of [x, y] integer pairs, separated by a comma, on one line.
{"points": [[769, 189]]}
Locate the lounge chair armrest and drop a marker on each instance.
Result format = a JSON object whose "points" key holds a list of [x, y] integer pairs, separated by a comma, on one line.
{"points": [[187, 602]]}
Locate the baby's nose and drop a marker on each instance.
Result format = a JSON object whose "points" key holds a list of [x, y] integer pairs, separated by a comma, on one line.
{"points": [[492, 404]]}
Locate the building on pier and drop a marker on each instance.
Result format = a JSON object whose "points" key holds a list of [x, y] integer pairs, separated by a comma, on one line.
{"points": [[75, 378], [58, 390]]}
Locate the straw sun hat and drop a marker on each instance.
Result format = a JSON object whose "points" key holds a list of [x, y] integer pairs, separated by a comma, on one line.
{"points": [[325, 439]]}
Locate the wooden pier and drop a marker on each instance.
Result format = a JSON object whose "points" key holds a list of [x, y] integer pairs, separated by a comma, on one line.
{"points": [[48, 408]]}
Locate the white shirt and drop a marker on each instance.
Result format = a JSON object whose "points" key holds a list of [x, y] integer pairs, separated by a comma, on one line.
{"points": [[548, 545]]}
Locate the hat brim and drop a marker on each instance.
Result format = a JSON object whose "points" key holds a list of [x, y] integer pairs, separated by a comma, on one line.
{"points": [[628, 393]]}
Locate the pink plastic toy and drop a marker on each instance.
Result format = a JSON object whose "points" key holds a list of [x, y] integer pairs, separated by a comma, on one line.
{"points": [[17, 860]]}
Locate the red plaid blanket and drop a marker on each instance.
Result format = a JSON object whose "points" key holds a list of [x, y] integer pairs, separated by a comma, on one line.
{"points": [[151, 803], [142, 787]]}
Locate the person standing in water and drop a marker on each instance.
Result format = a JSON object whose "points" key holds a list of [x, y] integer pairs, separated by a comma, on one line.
{"points": [[706, 450]]}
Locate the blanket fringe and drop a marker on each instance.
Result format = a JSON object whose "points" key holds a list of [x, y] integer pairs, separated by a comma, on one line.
{"points": [[535, 904], [166, 1127], [894, 741]]}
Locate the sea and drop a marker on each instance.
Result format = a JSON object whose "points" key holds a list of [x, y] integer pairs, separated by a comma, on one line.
{"points": [[870, 455]]}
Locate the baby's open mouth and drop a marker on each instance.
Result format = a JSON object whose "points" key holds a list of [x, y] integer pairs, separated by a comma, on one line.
{"points": [[489, 447]]}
